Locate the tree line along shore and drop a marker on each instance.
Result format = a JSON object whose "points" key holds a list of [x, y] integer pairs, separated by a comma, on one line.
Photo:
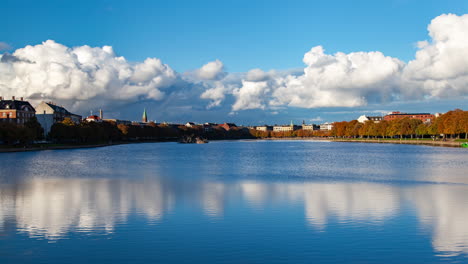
{"points": [[448, 127]]}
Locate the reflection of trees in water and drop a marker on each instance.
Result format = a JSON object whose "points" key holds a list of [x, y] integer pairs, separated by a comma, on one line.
{"points": [[52, 207]]}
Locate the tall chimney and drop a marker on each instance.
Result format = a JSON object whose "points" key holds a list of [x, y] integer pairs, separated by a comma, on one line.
{"points": [[100, 114], [21, 98], [13, 98]]}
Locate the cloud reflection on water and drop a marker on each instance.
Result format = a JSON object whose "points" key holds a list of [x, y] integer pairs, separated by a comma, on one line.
{"points": [[51, 207]]}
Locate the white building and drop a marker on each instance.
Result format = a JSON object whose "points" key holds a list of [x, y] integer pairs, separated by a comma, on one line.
{"points": [[364, 118], [310, 127], [264, 128], [285, 128], [326, 126], [47, 114]]}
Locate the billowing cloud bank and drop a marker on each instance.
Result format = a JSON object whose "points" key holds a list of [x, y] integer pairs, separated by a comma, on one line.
{"points": [[439, 70], [53, 71]]}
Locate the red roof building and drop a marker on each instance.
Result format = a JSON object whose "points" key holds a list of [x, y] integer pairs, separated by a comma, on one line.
{"points": [[425, 117], [93, 118], [228, 126], [16, 111]]}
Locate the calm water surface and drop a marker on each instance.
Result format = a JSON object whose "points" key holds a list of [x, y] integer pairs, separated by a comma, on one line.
{"points": [[235, 202]]}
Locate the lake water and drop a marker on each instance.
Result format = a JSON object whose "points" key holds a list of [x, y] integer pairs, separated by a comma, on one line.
{"points": [[235, 202]]}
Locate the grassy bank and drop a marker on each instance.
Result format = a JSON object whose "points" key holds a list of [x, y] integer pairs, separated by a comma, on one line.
{"points": [[426, 141], [54, 146]]}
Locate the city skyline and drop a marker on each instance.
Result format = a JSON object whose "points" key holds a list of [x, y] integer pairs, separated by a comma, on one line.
{"points": [[420, 69]]}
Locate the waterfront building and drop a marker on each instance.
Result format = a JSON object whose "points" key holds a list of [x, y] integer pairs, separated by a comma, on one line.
{"points": [[118, 121], [93, 118], [264, 128], [326, 126], [310, 127], [364, 118], [228, 126], [16, 111], [425, 117], [48, 114], [284, 128], [208, 127]]}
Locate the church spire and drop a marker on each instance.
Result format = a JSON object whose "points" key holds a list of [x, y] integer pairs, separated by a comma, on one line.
{"points": [[144, 119]]}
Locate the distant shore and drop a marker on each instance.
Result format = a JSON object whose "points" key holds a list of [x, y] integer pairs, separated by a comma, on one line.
{"points": [[427, 142], [436, 143], [55, 147], [71, 146]]}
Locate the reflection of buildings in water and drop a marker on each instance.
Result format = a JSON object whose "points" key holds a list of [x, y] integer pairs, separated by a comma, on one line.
{"points": [[445, 209], [52, 207]]}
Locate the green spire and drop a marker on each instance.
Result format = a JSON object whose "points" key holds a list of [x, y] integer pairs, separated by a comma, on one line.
{"points": [[145, 116], [292, 123]]}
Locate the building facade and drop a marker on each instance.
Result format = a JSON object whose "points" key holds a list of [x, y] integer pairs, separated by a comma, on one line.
{"points": [[48, 114], [93, 118], [208, 127], [326, 126], [118, 121], [425, 117], [286, 128], [364, 118], [16, 111], [310, 127], [228, 126], [59, 113], [264, 128]]}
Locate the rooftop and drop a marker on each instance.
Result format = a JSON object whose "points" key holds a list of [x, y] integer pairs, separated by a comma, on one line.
{"points": [[16, 105]]}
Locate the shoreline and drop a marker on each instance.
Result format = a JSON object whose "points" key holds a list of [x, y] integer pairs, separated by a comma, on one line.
{"points": [[65, 146], [451, 144], [26, 149]]}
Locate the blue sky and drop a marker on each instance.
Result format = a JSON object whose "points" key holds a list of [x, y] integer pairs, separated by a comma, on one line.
{"points": [[242, 34]]}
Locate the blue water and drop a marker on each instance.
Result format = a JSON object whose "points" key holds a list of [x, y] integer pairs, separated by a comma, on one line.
{"points": [[235, 202]]}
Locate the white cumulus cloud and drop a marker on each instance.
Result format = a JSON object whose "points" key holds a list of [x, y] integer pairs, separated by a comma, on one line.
{"points": [[340, 80], [52, 70], [84, 76], [250, 96], [211, 71], [216, 94], [441, 65]]}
